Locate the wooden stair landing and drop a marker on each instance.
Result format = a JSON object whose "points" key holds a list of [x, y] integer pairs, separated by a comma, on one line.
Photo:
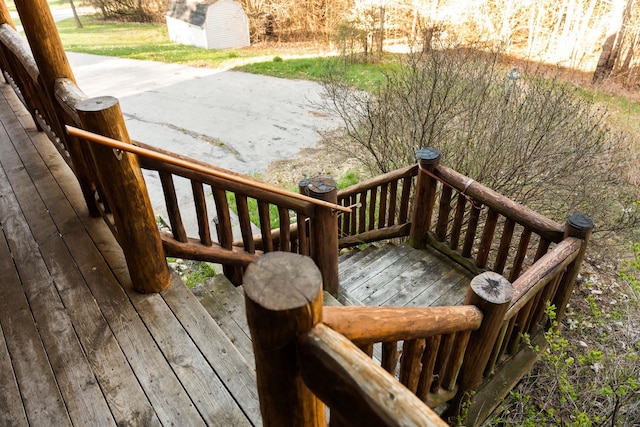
{"points": [[390, 275], [77, 345], [401, 276]]}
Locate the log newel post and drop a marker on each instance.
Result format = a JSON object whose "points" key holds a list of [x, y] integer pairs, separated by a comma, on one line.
{"points": [[283, 296], [53, 64], [425, 195], [580, 227], [324, 230], [492, 294], [5, 16], [121, 178]]}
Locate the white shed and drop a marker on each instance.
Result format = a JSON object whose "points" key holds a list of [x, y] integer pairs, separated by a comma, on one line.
{"points": [[210, 24]]}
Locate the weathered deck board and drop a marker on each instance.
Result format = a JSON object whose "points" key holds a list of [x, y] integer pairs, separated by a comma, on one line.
{"points": [[137, 359], [405, 276]]}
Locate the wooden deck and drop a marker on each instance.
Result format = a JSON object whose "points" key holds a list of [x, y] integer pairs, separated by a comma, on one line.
{"points": [[77, 345], [80, 347]]}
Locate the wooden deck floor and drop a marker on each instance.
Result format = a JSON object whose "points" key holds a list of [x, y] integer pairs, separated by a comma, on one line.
{"points": [[77, 345]]}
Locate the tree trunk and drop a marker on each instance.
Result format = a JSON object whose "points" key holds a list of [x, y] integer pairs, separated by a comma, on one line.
{"points": [[612, 45], [75, 15]]}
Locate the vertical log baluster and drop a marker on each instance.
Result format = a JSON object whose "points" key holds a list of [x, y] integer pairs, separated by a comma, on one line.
{"points": [[410, 365], [173, 210], [303, 234], [404, 201], [446, 344], [487, 239], [285, 230], [245, 223], [429, 356], [450, 375], [390, 356], [393, 200], [201, 213], [498, 349], [265, 226], [523, 247], [373, 198], [505, 245], [225, 232], [470, 235], [382, 215], [458, 220], [543, 247], [443, 213], [362, 212]]}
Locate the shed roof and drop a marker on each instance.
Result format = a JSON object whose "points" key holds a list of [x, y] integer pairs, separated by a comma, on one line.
{"points": [[193, 12]]}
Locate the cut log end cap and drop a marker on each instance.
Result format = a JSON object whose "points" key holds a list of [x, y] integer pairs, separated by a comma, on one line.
{"points": [[428, 155], [281, 281], [320, 185], [96, 104], [492, 287], [580, 223]]}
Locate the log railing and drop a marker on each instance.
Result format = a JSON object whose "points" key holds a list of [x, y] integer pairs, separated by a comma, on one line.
{"points": [[423, 347], [381, 208], [473, 224], [302, 362]]}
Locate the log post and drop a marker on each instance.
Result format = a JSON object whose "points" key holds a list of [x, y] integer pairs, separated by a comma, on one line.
{"points": [[580, 227], [49, 55], [5, 16], [283, 296], [324, 230], [492, 294], [425, 196], [120, 176]]}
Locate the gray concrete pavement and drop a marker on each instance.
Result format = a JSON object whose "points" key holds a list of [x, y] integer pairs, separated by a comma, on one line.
{"points": [[234, 120]]}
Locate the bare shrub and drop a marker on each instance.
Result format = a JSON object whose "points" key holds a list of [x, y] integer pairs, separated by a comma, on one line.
{"points": [[528, 136]]}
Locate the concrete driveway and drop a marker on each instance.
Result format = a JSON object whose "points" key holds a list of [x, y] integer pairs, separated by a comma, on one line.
{"points": [[234, 120]]}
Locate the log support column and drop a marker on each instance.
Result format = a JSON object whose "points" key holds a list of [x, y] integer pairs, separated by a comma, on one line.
{"points": [[580, 227], [425, 196], [324, 230], [121, 178], [492, 294], [283, 294]]}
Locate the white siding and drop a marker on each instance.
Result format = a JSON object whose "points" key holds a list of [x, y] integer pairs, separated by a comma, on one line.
{"points": [[185, 33], [226, 25]]}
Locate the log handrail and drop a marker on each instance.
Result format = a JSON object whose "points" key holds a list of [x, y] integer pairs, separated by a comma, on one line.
{"points": [[364, 325], [547, 228], [376, 181], [20, 49], [358, 391], [542, 272], [196, 166]]}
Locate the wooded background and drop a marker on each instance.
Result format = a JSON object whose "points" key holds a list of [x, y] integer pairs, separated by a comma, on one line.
{"points": [[598, 36], [588, 35]]}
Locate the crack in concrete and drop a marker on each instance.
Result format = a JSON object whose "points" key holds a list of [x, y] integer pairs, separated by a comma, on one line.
{"points": [[200, 136]]}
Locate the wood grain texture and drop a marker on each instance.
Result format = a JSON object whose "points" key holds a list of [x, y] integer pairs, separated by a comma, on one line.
{"points": [[353, 386], [379, 324], [283, 299]]}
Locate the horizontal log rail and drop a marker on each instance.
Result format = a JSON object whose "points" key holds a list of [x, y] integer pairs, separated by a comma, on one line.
{"points": [[548, 229], [546, 269], [358, 391], [196, 166], [365, 325]]}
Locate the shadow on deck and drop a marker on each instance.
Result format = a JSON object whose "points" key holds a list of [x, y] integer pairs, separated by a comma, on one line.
{"points": [[78, 345]]}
